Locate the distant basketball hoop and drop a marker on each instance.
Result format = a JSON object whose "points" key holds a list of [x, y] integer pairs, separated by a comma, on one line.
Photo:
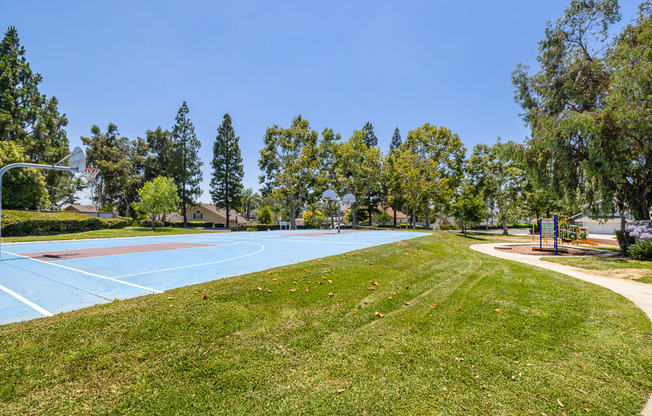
{"points": [[91, 174]]}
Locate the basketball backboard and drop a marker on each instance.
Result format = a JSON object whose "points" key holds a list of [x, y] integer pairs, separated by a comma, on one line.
{"points": [[348, 199], [77, 160], [329, 195]]}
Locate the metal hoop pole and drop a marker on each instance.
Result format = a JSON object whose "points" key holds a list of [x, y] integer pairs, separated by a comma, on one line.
{"points": [[23, 165]]}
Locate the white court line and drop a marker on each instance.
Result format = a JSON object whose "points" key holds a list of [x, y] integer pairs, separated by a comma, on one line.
{"points": [[87, 273], [197, 265], [26, 301]]}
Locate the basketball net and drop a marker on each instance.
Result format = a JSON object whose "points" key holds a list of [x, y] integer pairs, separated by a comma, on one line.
{"points": [[91, 174]]}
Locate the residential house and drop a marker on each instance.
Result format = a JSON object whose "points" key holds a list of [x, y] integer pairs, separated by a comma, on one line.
{"points": [[90, 210]]}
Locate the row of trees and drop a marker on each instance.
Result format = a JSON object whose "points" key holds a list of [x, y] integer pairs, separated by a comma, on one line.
{"points": [[33, 130], [125, 165], [427, 175]]}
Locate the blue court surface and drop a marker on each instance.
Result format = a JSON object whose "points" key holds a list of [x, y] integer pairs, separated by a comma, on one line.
{"points": [[45, 278]]}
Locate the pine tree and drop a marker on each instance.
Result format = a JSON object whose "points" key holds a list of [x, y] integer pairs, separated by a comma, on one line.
{"points": [[187, 175], [226, 181], [369, 136], [29, 118], [396, 140]]}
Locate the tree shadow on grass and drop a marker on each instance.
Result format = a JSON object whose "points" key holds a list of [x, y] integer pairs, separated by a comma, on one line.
{"points": [[470, 237]]}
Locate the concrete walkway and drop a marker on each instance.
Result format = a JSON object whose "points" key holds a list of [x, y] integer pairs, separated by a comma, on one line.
{"points": [[639, 293]]}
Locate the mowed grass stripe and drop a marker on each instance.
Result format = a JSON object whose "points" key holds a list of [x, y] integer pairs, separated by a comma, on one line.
{"points": [[226, 347]]}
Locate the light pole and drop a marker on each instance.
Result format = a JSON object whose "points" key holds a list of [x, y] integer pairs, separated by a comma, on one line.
{"points": [[77, 164]]}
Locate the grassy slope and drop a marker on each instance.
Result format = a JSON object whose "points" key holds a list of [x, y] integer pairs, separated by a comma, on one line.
{"points": [[440, 348], [124, 232]]}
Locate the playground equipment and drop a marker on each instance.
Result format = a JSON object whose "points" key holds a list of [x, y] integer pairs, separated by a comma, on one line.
{"points": [[574, 234], [558, 228]]}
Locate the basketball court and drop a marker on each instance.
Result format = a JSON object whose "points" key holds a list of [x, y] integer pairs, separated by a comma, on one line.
{"points": [[46, 278]]}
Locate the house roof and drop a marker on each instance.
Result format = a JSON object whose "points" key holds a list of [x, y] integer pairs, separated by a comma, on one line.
{"points": [[390, 211], [82, 208], [221, 212]]}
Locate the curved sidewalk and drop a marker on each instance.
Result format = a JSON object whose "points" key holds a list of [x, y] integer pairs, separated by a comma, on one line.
{"points": [[639, 293]]}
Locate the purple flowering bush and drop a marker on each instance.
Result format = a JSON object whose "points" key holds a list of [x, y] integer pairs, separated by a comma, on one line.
{"points": [[642, 250]]}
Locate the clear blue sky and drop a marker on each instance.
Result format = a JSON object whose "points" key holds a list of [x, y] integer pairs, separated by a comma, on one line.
{"points": [[338, 63]]}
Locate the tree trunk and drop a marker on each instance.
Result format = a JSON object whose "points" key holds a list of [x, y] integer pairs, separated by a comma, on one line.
{"points": [[486, 222], [623, 221], [353, 216], [153, 221], [293, 210], [370, 223], [505, 232], [464, 228], [394, 209], [414, 223], [228, 222], [427, 217]]}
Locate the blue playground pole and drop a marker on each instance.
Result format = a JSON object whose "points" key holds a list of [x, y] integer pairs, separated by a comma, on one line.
{"points": [[540, 236], [556, 233]]}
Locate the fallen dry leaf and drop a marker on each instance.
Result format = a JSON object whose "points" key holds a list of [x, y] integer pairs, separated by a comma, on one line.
{"points": [[259, 288], [269, 291], [406, 303], [373, 282], [330, 281], [496, 310], [341, 391], [331, 294], [560, 403], [378, 314], [459, 309], [170, 297], [205, 296], [459, 359], [365, 302], [390, 298], [308, 289], [292, 290]]}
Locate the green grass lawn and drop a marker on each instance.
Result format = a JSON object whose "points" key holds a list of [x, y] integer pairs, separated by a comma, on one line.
{"points": [[606, 263], [425, 326], [108, 233]]}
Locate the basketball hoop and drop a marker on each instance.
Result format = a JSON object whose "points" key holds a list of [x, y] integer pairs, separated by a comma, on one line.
{"points": [[91, 174]]}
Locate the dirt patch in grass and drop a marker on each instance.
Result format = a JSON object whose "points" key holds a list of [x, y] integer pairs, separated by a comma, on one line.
{"points": [[628, 274], [528, 249]]}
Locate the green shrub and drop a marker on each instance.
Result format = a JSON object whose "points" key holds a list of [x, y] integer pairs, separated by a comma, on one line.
{"points": [[16, 223], [642, 250], [148, 223], [113, 223], [199, 224]]}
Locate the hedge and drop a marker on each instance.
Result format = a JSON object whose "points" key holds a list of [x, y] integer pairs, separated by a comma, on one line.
{"points": [[113, 223], [17, 223], [148, 223], [194, 224], [255, 227]]}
